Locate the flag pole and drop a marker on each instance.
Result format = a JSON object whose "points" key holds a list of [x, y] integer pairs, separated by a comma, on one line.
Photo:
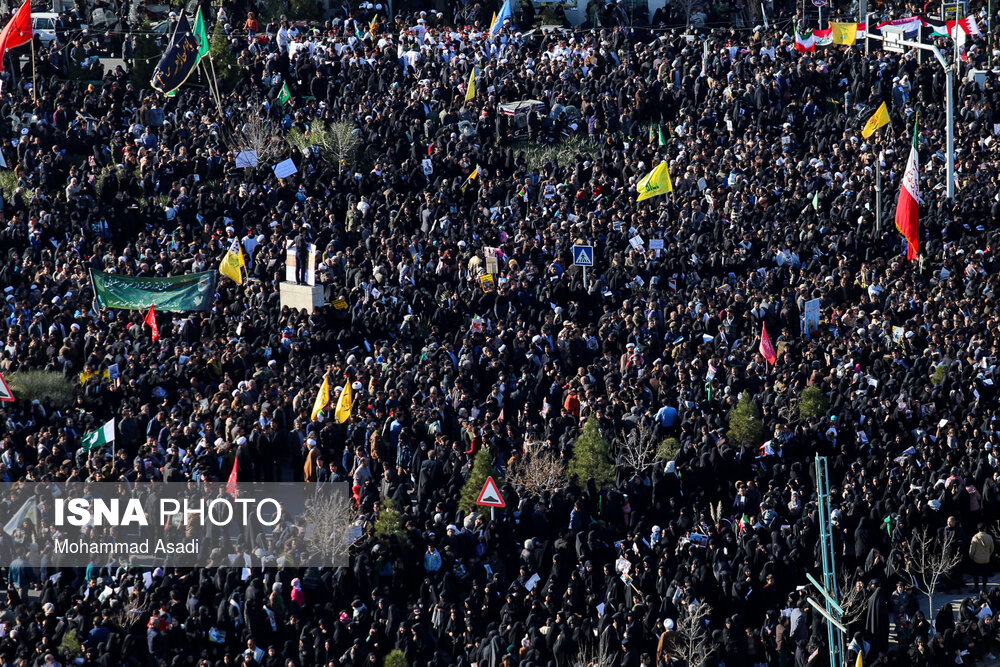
{"points": [[34, 73], [878, 193]]}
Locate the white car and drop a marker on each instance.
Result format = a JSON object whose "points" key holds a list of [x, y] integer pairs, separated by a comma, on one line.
{"points": [[44, 24]]}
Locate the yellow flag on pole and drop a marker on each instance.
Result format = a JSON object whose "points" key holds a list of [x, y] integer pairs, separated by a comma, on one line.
{"points": [[844, 33], [232, 262], [878, 119], [656, 183], [470, 90], [473, 176], [322, 398], [343, 411]]}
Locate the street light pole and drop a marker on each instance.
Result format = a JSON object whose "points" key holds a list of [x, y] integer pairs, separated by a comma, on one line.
{"points": [[949, 86], [892, 42]]}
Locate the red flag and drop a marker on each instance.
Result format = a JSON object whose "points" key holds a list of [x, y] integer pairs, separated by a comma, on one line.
{"points": [[231, 484], [17, 31], [150, 319], [766, 348], [908, 203]]}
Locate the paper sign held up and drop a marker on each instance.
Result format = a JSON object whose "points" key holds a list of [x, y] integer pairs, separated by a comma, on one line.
{"points": [[285, 168], [246, 159]]}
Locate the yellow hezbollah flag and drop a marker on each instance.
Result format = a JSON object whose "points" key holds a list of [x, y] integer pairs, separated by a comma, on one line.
{"points": [[232, 262], [343, 411], [322, 398], [844, 33], [473, 176], [656, 183], [878, 119], [470, 90], [860, 661]]}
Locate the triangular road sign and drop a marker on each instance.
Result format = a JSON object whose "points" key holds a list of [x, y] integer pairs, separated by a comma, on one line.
{"points": [[490, 495], [5, 393]]}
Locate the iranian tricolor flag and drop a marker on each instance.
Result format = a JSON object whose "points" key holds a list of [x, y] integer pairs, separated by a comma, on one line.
{"points": [[908, 204], [804, 42]]}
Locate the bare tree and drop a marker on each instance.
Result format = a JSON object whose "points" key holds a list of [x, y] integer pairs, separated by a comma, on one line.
{"points": [[593, 654], [538, 471], [930, 556], [257, 134], [853, 599], [636, 452], [331, 528], [695, 639]]}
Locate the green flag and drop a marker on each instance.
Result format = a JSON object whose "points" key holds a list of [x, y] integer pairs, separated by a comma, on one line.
{"points": [[100, 437], [201, 34], [659, 133], [651, 135], [284, 95], [816, 201]]}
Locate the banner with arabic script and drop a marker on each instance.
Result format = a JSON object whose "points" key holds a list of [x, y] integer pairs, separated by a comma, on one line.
{"points": [[178, 61], [194, 291]]}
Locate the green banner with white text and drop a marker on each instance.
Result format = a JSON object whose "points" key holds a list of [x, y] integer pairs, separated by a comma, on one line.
{"points": [[194, 291]]}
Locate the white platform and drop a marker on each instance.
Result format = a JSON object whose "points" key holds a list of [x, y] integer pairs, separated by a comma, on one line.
{"points": [[301, 296]]}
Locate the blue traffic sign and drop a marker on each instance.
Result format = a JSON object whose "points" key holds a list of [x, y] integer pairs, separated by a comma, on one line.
{"points": [[583, 255]]}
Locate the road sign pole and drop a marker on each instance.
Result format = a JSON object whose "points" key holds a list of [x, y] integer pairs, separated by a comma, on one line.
{"points": [[492, 516], [585, 279]]}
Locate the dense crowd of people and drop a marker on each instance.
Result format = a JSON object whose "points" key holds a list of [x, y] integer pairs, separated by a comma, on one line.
{"points": [[695, 557]]}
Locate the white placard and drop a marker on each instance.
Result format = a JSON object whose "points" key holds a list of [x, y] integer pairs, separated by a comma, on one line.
{"points": [[656, 244], [636, 242], [285, 168], [247, 158]]}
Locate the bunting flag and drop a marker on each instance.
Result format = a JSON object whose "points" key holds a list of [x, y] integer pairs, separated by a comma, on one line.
{"points": [[178, 60], [908, 204], [322, 398], [17, 31], [470, 88], [844, 33], [967, 25], [150, 319], [937, 26], [232, 262], [656, 183], [343, 411], [879, 119], [804, 42], [766, 349]]}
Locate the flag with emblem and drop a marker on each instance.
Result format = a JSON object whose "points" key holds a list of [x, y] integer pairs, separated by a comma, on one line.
{"points": [[232, 262], [908, 203], [100, 437]]}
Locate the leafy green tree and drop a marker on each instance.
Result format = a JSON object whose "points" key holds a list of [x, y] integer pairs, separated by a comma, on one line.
{"points": [[146, 54], [396, 658], [227, 70], [745, 424], [669, 449], [591, 455], [482, 467], [812, 403], [389, 522]]}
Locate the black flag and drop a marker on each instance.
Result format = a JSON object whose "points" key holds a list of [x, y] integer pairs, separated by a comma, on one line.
{"points": [[178, 61]]}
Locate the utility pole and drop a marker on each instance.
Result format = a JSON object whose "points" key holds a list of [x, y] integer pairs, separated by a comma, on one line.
{"points": [[893, 41]]}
